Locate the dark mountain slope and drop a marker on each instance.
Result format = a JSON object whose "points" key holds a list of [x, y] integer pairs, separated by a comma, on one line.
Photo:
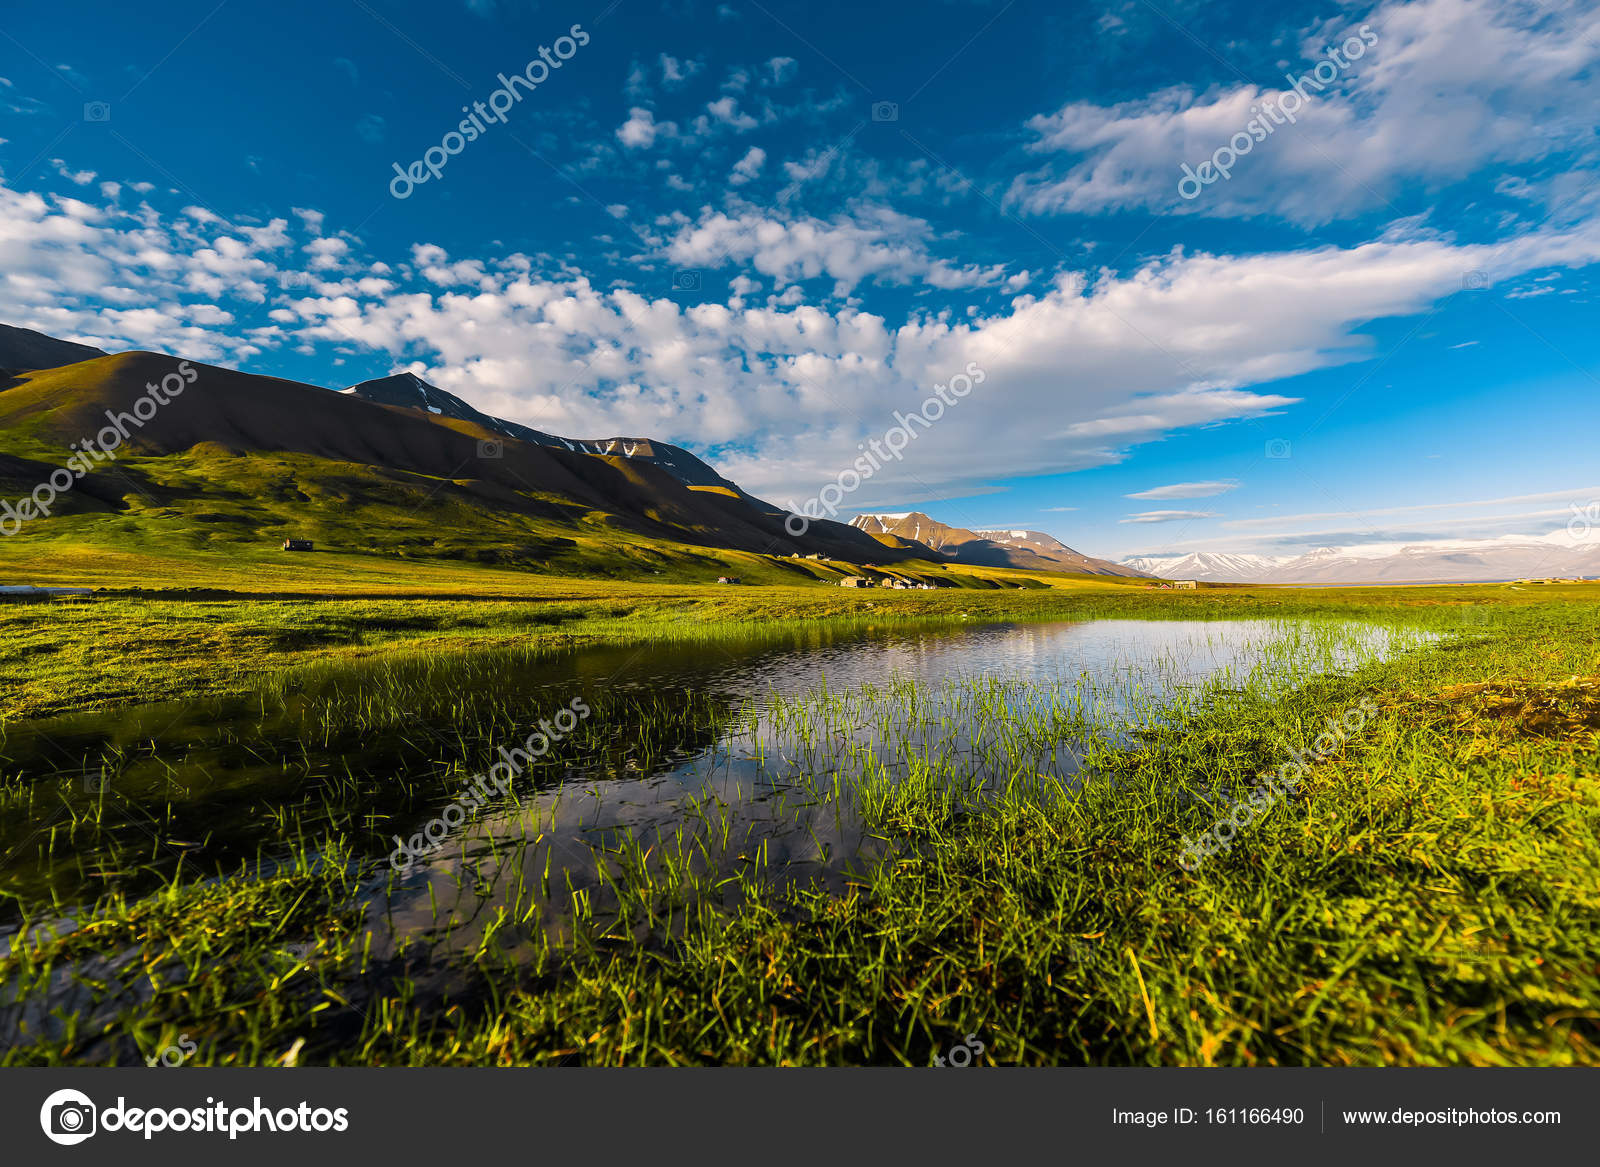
{"points": [[22, 349], [409, 391]]}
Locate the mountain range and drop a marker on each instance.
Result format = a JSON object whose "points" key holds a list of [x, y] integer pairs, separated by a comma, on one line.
{"points": [[1030, 550], [1564, 554], [398, 466], [240, 458]]}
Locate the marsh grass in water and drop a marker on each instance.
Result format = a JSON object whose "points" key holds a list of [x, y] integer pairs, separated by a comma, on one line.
{"points": [[854, 875]]}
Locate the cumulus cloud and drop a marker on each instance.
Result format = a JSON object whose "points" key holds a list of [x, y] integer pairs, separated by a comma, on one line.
{"points": [[874, 243], [641, 129], [131, 278], [748, 167], [779, 392], [77, 177], [786, 391], [675, 71], [726, 111]]}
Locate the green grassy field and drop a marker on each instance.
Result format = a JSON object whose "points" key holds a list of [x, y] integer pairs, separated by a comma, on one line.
{"points": [[1428, 894], [212, 628]]}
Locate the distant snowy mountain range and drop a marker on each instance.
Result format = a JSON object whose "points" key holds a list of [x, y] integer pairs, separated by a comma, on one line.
{"points": [[1562, 554]]}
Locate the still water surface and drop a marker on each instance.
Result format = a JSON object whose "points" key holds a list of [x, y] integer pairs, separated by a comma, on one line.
{"points": [[736, 740]]}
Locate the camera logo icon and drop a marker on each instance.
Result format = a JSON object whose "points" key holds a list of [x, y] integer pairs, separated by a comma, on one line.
{"points": [[1278, 448], [886, 111], [68, 1117], [491, 448], [685, 281], [96, 111], [1474, 281]]}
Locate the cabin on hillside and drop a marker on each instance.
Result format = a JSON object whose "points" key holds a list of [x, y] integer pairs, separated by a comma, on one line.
{"points": [[855, 581], [297, 545], [1175, 583], [729, 579]]}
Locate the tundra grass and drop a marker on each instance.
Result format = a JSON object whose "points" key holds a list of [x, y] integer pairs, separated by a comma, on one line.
{"points": [[59, 656], [1428, 893]]}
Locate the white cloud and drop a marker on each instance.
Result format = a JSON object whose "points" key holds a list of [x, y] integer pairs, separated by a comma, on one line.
{"points": [[1188, 490], [641, 129], [1073, 377], [123, 278], [726, 111], [1167, 516], [748, 167], [1449, 87], [675, 72], [875, 243], [79, 177], [782, 389]]}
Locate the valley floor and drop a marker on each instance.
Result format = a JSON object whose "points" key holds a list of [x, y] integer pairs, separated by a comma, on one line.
{"points": [[211, 630], [1427, 893]]}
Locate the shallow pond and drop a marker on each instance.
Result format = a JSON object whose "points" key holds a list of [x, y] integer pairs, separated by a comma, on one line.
{"points": [[738, 755]]}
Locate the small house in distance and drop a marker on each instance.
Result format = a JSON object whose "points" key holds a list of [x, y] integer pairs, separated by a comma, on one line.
{"points": [[728, 579], [1187, 584], [297, 545], [855, 581]]}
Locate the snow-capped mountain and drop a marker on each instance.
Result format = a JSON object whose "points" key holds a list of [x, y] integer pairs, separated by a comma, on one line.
{"points": [[1567, 554], [1206, 565]]}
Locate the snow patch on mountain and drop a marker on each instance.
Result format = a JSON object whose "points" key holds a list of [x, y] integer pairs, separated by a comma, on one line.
{"points": [[1561, 554]]}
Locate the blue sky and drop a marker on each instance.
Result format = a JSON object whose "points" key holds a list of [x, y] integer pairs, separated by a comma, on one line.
{"points": [[763, 229]]}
